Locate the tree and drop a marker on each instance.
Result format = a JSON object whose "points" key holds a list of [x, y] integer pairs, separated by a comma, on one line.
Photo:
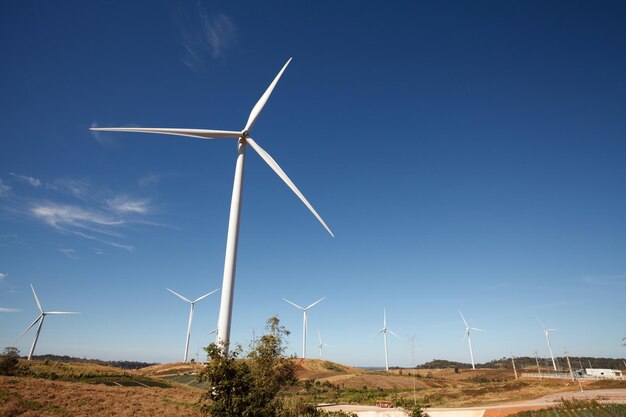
{"points": [[248, 388], [9, 360]]}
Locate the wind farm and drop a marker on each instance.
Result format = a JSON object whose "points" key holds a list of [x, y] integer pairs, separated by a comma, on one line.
{"points": [[466, 162]]}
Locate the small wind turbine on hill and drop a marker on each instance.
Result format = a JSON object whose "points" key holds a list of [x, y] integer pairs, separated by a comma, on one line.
{"points": [[39, 319], [547, 331], [468, 330], [322, 344], [304, 322], [192, 305], [243, 140], [384, 331]]}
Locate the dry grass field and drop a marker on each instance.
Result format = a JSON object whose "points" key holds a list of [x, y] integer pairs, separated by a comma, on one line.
{"points": [[71, 389]]}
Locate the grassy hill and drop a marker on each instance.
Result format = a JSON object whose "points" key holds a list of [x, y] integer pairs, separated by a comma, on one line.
{"points": [[89, 389]]}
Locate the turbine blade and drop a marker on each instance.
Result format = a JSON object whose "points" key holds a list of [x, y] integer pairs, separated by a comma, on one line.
{"points": [[36, 299], [62, 312], [315, 303], [29, 327], [393, 334], [295, 305], [270, 161], [178, 295], [466, 333], [319, 336], [256, 110], [474, 328], [378, 332], [464, 321], [194, 133], [552, 330], [540, 322], [206, 295]]}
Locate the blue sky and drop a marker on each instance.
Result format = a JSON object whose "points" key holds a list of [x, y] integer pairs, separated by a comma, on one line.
{"points": [[466, 155]]}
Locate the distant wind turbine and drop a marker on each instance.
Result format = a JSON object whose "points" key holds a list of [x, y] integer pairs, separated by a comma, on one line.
{"points": [[192, 305], [39, 319], [384, 331], [469, 339], [304, 322], [547, 331], [243, 139], [322, 344]]}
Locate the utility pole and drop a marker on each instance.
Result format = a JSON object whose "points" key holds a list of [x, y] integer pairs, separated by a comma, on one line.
{"points": [[538, 367], [570, 366], [514, 369], [412, 338]]}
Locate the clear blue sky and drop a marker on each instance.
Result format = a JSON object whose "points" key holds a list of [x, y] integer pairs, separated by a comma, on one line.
{"points": [[467, 155]]}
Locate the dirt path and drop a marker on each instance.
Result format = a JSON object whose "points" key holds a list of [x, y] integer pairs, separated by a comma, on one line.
{"points": [[498, 410]]}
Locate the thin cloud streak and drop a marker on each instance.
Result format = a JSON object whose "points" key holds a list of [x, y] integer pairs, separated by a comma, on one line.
{"points": [[29, 180], [9, 310], [205, 37], [123, 204], [4, 189], [70, 253]]}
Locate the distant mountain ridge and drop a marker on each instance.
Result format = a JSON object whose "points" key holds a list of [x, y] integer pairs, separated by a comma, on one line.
{"points": [[529, 362], [115, 364]]}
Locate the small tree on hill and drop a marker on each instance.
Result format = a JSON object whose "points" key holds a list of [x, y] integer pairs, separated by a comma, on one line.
{"points": [[9, 360], [248, 388]]}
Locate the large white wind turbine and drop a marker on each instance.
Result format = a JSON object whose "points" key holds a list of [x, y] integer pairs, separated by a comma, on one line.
{"points": [[39, 319], [320, 347], [243, 139], [384, 331], [469, 339], [547, 331], [192, 305], [304, 323]]}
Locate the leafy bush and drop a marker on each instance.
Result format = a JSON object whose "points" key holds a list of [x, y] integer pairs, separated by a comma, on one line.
{"points": [[9, 361], [248, 388]]}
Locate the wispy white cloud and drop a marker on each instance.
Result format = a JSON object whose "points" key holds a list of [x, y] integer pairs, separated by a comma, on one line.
{"points": [[76, 206], [205, 37], [70, 253], [79, 188], [4, 284], [9, 310], [60, 216], [29, 180], [548, 306], [4, 189], [605, 280], [124, 204], [148, 179]]}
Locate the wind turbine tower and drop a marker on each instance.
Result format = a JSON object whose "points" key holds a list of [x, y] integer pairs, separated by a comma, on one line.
{"points": [[192, 305], [384, 331], [304, 322], [39, 319], [243, 140], [468, 330], [547, 331]]}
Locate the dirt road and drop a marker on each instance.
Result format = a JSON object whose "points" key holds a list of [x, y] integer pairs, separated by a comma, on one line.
{"points": [[498, 410]]}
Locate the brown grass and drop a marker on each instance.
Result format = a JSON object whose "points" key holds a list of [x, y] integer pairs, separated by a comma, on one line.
{"points": [[30, 397]]}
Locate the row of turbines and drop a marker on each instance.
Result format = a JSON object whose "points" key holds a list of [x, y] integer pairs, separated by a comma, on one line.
{"points": [[384, 330]]}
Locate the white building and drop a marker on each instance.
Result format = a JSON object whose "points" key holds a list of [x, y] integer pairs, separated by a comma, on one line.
{"points": [[603, 373]]}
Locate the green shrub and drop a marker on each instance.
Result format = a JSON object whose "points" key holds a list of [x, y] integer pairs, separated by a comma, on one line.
{"points": [[9, 361]]}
